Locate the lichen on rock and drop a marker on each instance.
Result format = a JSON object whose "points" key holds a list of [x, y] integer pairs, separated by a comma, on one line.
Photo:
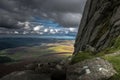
{"points": [[90, 69]]}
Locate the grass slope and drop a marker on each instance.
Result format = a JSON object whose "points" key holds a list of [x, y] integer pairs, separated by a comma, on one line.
{"points": [[107, 54]]}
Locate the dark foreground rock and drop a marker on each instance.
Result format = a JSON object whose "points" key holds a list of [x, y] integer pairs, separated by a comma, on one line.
{"points": [[41, 71], [93, 69], [26, 75]]}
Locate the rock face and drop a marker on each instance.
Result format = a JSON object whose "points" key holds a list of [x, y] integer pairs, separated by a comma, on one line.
{"points": [[93, 69], [100, 24]]}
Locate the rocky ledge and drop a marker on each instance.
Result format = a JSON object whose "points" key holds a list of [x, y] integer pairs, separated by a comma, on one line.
{"points": [[91, 69]]}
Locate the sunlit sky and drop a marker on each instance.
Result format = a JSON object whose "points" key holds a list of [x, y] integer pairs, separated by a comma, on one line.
{"points": [[40, 16]]}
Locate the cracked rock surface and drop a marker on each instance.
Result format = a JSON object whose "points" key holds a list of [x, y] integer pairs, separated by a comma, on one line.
{"points": [[99, 26], [91, 69]]}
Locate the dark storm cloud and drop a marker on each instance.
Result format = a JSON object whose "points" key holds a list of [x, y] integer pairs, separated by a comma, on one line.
{"points": [[65, 12], [64, 5]]}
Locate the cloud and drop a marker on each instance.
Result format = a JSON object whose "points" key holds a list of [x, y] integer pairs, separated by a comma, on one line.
{"points": [[66, 12], [70, 19], [37, 28]]}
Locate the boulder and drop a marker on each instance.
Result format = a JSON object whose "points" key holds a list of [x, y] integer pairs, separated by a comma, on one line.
{"points": [[91, 69]]}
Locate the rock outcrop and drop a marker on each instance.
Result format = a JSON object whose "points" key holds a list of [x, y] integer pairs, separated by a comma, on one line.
{"points": [[39, 71], [91, 69], [55, 70], [100, 25], [26, 75]]}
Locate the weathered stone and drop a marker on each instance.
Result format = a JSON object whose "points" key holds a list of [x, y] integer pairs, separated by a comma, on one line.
{"points": [[91, 69]]}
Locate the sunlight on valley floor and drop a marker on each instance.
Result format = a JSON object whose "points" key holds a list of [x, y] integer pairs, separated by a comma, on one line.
{"points": [[43, 52]]}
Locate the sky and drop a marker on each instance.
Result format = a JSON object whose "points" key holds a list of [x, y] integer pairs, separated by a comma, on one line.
{"points": [[27, 15]]}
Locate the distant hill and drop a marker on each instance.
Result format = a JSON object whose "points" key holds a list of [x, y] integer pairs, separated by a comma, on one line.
{"points": [[17, 41]]}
